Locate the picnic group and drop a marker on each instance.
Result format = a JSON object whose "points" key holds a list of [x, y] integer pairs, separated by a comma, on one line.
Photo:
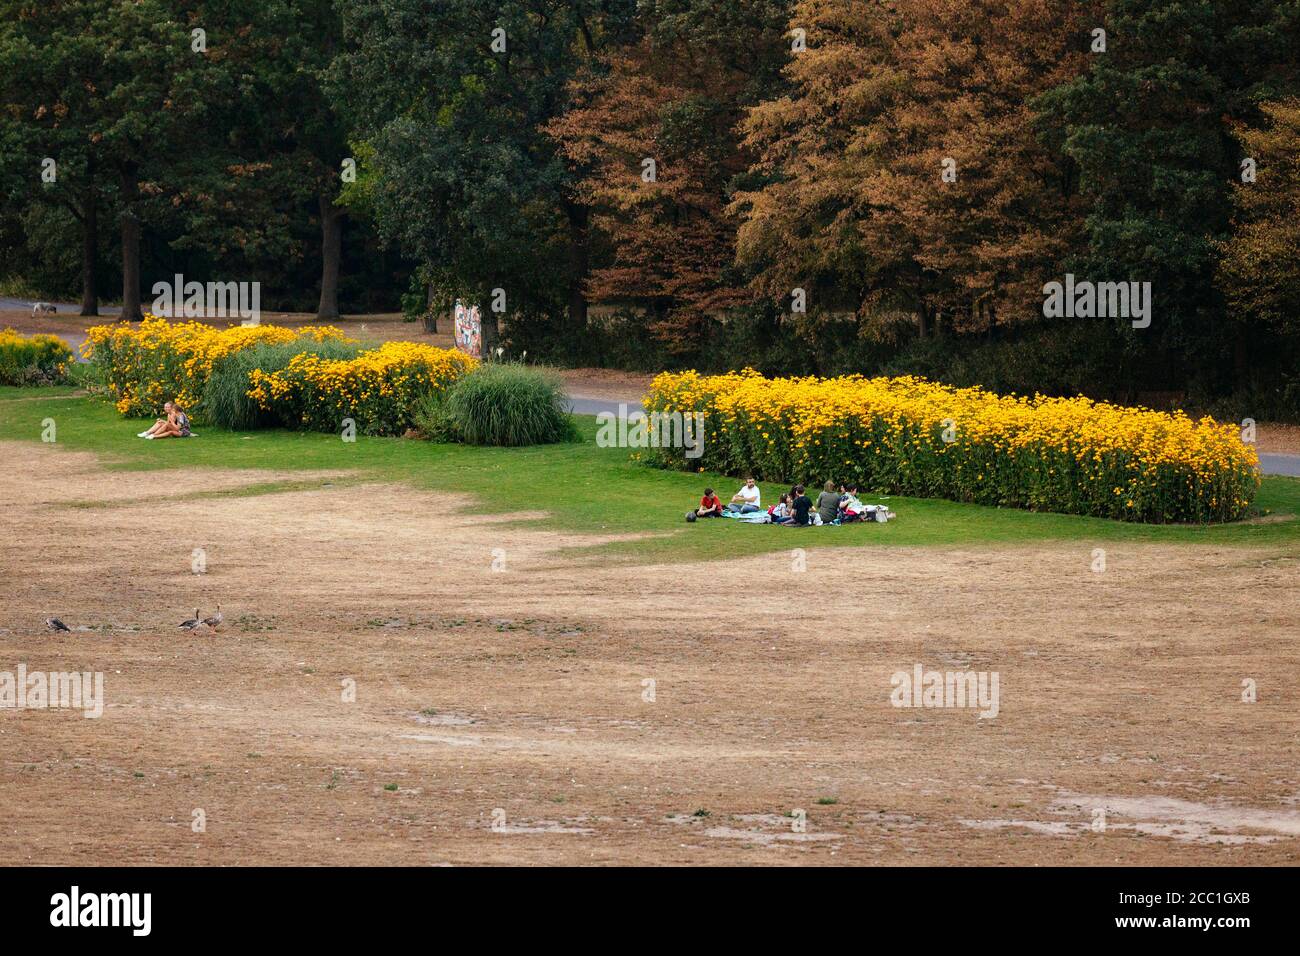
{"points": [[836, 504]]}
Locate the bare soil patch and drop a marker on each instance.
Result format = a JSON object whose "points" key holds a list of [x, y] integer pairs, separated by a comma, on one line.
{"points": [[505, 716], [1278, 439], [607, 384]]}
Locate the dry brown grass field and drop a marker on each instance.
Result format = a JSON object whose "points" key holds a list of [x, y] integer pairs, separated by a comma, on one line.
{"points": [[506, 717]]}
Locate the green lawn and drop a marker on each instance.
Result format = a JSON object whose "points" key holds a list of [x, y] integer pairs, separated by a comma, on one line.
{"points": [[591, 489]]}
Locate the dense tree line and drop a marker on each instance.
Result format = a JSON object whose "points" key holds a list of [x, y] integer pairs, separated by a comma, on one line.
{"points": [[162, 136], [803, 185]]}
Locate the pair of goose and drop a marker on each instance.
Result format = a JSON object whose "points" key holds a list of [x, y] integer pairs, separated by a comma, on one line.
{"points": [[212, 622], [54, 624]]}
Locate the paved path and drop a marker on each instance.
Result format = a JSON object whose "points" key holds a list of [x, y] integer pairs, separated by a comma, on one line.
{"points": [[1280, 465], [1270, 464], [63, 307], [594, 406], [75, 339]]}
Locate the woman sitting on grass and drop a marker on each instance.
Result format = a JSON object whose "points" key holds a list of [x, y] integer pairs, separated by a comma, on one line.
{"points": [[782, 512], [828, 503], [851, 508], [175, 425]]}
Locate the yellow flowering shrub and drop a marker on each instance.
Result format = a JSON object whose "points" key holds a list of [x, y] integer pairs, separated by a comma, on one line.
{"points": [[379, 389], [160, 361], [910, 436], [33, 359]]}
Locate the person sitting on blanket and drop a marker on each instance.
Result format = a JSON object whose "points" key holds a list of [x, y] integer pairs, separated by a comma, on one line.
{"points": [[747, 500], [851, 508], [175, 425], [782, 512], [799, 508], [828, 503], [710, 505]]}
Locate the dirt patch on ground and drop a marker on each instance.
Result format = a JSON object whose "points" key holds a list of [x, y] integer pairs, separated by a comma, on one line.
{"points": [[1278, 439], [607, 384], [552, 712]]}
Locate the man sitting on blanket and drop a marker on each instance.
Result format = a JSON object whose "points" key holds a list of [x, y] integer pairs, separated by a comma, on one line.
{"points": [[747, 500]]}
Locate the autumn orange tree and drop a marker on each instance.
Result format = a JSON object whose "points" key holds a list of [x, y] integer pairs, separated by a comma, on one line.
{"points": [[652, 138], [905, 169], [1259, 273]]}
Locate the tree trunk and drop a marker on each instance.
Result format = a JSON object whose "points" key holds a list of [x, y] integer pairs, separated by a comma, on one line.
{"points": [[491, 333], [130, 245], [1241, 359], [579, 256], [89, 253], [430, 316], [331, 232]]}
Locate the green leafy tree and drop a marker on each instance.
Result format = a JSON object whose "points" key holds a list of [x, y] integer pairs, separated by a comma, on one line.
{"points": [[449, 98], [1147, 126], [281, 144], [49, 144], [117, 94]]}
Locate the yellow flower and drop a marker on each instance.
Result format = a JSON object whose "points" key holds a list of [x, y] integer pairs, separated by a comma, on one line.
{"points": [[1045, 453]]}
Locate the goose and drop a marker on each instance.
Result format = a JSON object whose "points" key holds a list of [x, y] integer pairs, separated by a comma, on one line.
{"points": [[55, 624], [215, 621], [192, 623]]}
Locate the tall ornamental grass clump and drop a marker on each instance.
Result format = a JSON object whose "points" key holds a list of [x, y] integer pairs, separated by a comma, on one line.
{"points": [[913, 437], [33, 359], [509, 404], [226, 398]]}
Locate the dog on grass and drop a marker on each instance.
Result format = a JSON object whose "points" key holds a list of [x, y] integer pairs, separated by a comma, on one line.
{"points": [[43, 308]]}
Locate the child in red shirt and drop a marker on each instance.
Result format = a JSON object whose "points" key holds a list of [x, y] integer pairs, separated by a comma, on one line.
{"points": [[710, 505]]}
